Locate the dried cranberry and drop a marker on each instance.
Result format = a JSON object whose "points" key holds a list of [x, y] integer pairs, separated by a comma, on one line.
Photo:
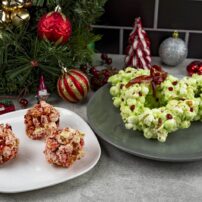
{"points": [[191, 109], [160, 122], [140, 94], [174, 83], [132, 107], [169, 116], [170, 88]]}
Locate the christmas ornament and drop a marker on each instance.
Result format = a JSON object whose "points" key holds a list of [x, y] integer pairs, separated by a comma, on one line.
{"points": [[194, 67], [42, 93], [6, 105], [19, 16], [138, 50], [4, 18], [14, 11], [54, 27], [23, 102], [11, 5], [73, 85], [173, 50]]}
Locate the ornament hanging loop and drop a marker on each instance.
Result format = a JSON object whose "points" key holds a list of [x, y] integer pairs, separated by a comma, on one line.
{"points": [[58, 9], [64, 69]]}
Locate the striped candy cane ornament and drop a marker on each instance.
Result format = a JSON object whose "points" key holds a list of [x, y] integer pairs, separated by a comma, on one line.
{"points": [[138, 50]]}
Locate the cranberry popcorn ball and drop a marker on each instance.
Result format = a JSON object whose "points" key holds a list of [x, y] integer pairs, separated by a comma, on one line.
{"points": [[41, 120], [64, 147], [8, 144]]}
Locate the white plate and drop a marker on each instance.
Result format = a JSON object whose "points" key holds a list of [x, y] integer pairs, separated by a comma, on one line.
{"points": [[30, 170]]}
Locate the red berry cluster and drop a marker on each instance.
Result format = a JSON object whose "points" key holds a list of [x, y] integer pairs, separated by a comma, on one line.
{"points": [[106, 59], [194, 67], [98, 78], [23, 102]]}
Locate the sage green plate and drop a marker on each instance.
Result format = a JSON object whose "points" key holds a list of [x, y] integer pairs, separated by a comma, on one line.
{"points": [[105, 119]]}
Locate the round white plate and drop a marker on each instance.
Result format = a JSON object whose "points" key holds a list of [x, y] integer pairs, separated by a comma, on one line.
{"points": [[30, 170]]}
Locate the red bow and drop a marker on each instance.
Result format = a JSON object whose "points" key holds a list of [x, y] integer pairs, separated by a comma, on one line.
{"points": [[157, 75]]}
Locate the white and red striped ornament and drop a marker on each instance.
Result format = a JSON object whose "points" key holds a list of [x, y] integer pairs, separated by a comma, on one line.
{"points": [[73, 85], [138, 50]]}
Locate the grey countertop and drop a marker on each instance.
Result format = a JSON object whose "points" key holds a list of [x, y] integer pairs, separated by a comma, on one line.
{"points": [[119, 176]]}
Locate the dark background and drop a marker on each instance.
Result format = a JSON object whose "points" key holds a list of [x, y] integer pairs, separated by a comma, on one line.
{"points": [[182, 15]]}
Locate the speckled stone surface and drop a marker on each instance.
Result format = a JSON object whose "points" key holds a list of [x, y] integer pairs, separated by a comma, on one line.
{"points": [[119, 176]]}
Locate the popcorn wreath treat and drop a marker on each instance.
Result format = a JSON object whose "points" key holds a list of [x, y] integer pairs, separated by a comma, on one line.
{"points": [[41, 120], [8, 144], [156, 103], [64, 147]]}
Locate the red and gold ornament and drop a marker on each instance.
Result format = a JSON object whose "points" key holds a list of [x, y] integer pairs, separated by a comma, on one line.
{"points": [[73, 85], [55, 27], [194, 67]]}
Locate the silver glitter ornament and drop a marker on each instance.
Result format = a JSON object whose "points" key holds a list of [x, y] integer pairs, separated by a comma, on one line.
{"points": [[173, 50]]}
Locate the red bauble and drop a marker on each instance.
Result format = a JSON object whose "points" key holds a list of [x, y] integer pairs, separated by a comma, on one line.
{"points": [[73, 85], [54, 27], [194, 67]]}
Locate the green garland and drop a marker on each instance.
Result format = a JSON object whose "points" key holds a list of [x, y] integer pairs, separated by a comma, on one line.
{"points": [[20, 45]]}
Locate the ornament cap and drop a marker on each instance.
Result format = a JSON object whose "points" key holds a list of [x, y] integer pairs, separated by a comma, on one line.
{"points": [[58, 9], [175, 34]]}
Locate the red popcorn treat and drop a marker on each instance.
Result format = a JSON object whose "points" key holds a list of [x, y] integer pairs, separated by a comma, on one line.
{"points": [[41, 120], [64, 147], [8, 143]]}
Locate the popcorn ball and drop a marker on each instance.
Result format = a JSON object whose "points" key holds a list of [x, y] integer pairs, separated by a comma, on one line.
{"points": [[8, 144], [64, 147], [41, 120]]}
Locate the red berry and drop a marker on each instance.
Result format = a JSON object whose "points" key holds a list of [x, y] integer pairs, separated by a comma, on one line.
{"points": [[94, 71], [23, 102], [109, 61], [84, 68], [104, 56]]}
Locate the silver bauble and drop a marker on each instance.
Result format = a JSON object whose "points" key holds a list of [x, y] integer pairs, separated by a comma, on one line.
{"points": [[173, 50]]}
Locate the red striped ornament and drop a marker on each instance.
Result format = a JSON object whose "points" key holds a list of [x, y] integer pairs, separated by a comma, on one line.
{"points": [[73, 85]]}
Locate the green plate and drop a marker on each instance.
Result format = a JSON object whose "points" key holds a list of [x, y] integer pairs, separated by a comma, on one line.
{"points": [[105, 119]]}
